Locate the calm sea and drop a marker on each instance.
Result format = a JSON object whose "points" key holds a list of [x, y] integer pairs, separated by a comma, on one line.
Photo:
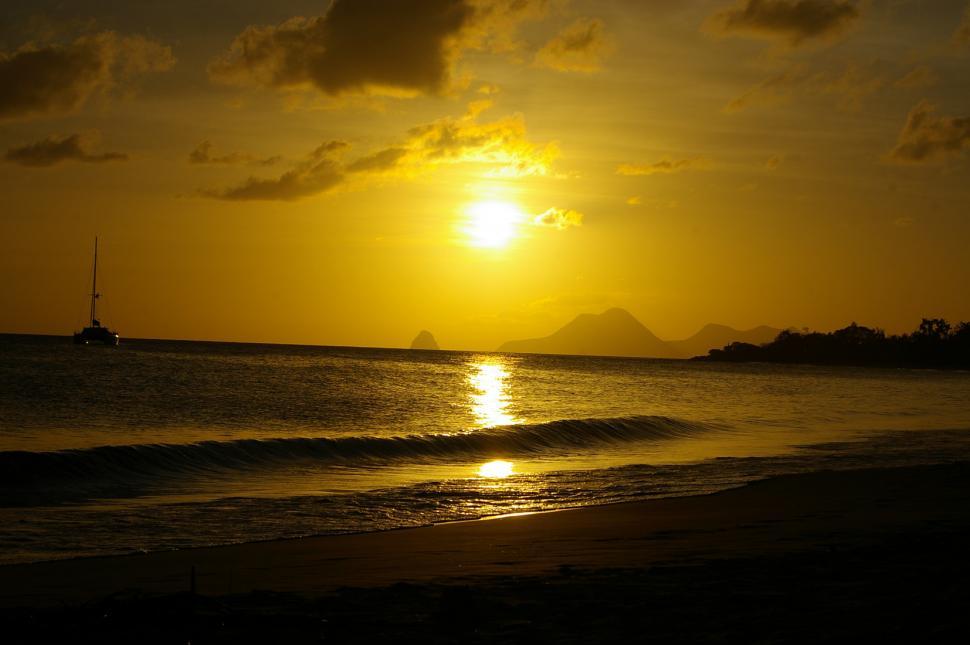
{"points": [[162, 445]]}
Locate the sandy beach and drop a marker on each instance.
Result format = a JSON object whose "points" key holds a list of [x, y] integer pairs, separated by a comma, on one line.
{"points": [[841, 536]]}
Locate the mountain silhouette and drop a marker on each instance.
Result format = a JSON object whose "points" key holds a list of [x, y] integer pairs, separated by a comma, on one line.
{"points": [[615, 332], [717, 336], [424, 340]]}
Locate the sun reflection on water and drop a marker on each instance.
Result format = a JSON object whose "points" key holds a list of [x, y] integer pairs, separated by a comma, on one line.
{"points": [[490, 398], [498, 469]]}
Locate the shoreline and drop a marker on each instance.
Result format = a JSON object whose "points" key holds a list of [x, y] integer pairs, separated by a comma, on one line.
{"points": [[471, 520], [781, 515]]}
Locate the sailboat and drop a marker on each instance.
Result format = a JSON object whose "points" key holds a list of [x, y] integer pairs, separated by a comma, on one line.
{"points": [[95, 333]]}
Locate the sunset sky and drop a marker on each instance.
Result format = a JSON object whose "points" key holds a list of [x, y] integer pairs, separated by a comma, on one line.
{"points": [[349, 173]]}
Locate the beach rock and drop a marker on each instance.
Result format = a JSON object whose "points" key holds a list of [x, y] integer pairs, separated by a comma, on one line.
{"points": [[424, 340]]}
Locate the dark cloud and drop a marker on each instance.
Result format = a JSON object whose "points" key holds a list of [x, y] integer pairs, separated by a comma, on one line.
{"points": [[664, 166], [501, 145], [55, 149], [55, 79], [792, 21], [580, 47], [927, 137], [372, 46], [202, 154]]}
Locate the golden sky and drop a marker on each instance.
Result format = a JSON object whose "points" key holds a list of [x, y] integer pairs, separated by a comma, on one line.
{"points": [[351, 172]]}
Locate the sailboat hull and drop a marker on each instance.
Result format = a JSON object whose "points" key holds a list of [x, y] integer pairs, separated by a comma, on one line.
{"points": [[96, 335]]}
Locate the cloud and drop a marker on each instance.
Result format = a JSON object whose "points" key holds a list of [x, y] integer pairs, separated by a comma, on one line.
{"points": [[927, 137], [794, 22], [55, 149], [405, 47], [916, 78], [665, 166], [58, 79], [500, 145], [962, 35], [775, 90], [202, 154], [580, 47], [851, 86], [381, 161], [560, 218], [319, 172], [573, 300]]}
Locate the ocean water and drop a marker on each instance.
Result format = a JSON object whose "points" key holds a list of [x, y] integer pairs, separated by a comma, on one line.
{"points": [[164, 445]]}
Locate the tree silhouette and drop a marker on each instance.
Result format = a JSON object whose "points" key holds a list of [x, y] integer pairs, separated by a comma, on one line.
{"points": [[934, 344], [934, 329]]}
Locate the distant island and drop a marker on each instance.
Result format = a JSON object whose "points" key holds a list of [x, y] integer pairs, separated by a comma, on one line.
{"points": [[934, 344], [616, 332], [424, 340], [714, 336]]}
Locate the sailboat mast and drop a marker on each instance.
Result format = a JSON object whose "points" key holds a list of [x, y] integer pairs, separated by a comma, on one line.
{"points": [[94, 283]]}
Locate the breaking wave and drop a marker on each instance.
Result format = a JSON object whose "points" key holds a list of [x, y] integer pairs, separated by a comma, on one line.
{"points": [[137, 465]]}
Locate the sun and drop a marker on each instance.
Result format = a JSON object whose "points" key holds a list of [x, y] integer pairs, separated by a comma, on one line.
{"points": [[493, 224]]}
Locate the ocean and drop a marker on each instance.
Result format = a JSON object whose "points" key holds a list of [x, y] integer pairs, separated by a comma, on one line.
{"points": [[159, 445]]}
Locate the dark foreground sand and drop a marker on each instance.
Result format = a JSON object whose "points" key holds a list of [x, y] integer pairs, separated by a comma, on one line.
{"points": [[823, 557]]}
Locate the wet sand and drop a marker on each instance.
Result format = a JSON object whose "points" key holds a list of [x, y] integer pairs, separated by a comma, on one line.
{"points": [[883, 536]]}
